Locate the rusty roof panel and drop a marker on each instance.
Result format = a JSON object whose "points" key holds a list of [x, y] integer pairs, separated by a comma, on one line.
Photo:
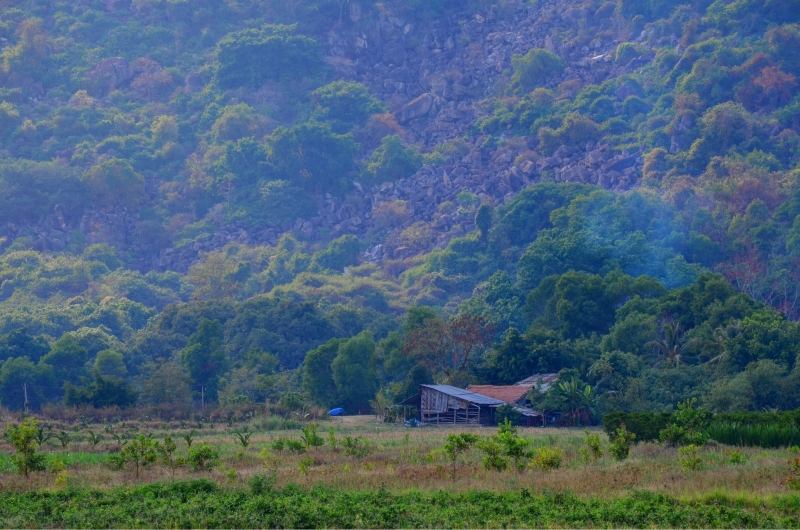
{"points": [[465, 395], [509, 393]]}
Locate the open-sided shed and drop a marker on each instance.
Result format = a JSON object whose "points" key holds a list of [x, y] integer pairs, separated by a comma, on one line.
{"points": [[448, 405]]}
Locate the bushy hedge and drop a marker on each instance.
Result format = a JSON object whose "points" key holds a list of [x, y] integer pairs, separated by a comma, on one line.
{"points": [[760, 429], [645, 425]]}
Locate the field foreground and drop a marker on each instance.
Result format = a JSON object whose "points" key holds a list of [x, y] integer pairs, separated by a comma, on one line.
{"points": [[398, 478], [203, 504]]}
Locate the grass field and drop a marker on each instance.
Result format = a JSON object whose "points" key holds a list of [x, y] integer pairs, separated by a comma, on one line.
{"points": [[404, 470]]}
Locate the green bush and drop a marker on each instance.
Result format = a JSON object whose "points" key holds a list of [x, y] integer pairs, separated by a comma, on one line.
{"points": [[548, 459], [575, 130], [312, 156], [534, 68], [645, 425], [275, 52], [625, 52], [341, 253], [24, 440], [114, 182], [345, 104], [690, 458], [203, 457], [284, 202], [623, 441], [392, 161]]}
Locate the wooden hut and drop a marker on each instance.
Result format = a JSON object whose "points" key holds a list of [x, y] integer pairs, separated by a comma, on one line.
{"points": [[448, 405]]}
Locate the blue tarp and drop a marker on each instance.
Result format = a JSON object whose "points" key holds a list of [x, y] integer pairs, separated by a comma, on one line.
{"points": [[336, 412]]}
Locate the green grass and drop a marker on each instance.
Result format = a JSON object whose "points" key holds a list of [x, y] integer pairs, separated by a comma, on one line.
{"points": [[203, 504], [77, 458]]}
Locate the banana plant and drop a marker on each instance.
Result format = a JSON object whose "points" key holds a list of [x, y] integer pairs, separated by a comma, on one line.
{"points": [[188, 438], [243, 436], [94, 439], [42, 436], [64, 438]]}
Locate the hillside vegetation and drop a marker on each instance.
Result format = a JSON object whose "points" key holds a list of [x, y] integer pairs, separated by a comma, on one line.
{"points": [[232, 202]]}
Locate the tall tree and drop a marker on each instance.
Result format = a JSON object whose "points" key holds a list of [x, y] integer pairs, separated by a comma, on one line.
{"points": [[449, 346], [356, 382], [318, 374], [204, 358]]}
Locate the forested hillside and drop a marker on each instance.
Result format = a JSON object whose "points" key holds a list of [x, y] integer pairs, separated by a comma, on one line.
{"points": [[333, 201]]}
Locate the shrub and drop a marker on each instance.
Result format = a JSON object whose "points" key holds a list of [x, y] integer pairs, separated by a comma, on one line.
{"points": [[689, 458], [493, 458], [392, 161], [312, 156], [689, 426], [261, 484], [282, 202], [625, 52], [345, 104], [139, 452], [340, 253], [575, 130], [310, 436], [252, 57], [532, 69], [203, 457], [645, 425], [114, 182], [594, 448], [358, 447], [23, 438], [621, 447], [736, 457], [278, 444], [295, 446], [547, 459], [457, 444], [634, 105]]}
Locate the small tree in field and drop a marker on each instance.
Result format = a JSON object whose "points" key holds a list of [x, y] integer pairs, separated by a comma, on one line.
{"points": [[203, 457], [623, 440], [310, 436], [140, 452], [23, 438], [168, 458], [457, 444], [515, 446]]}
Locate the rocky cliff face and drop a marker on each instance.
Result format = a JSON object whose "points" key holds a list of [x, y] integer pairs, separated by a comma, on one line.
{"points": [[435, 77]]}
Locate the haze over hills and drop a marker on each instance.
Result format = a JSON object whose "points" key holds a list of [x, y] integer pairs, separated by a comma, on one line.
{"points": [[242, 199]]}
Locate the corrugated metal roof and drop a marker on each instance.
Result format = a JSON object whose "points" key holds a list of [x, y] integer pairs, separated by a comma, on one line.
{"points": [[547, 380], [525, 411], [465, 395]]}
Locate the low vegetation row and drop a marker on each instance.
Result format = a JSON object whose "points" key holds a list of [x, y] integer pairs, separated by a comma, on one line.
{"points": [[201, 503], [755, 429]]}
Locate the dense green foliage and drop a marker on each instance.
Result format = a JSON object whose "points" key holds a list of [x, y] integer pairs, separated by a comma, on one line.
{"points": [[760, 429], [684, 287], [201, 503]]}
